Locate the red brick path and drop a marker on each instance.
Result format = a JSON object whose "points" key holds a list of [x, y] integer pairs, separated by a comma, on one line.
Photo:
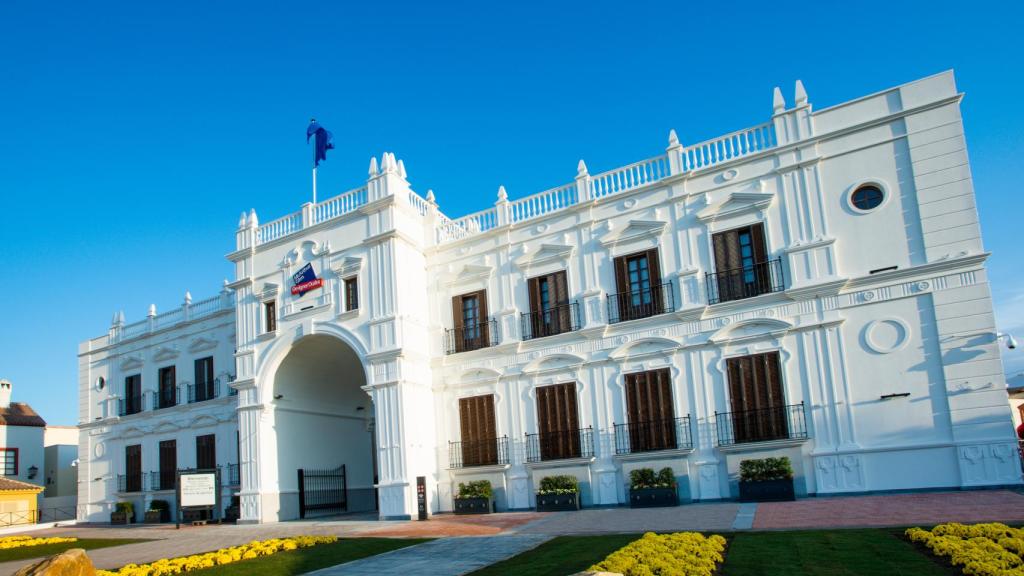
{"points": [[892, 510]]}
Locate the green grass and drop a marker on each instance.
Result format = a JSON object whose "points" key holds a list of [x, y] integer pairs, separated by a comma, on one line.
{"points": [[870, 552], [50, 549], [559, 556], [308, 559]]}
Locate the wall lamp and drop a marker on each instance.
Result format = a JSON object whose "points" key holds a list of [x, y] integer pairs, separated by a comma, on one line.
{"points": [[278, 396], [32, 471], [1011, 342]]}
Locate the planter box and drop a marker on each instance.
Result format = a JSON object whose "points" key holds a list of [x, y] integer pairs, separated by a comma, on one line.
{"points": [[232, 513], [120, 518], [190, 516], [472, 505], [558, 502], [653, 497], [157, 516], [767, 491]]}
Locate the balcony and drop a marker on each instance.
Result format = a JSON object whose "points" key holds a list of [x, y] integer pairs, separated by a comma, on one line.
{"points": [[167, 398], [653, 435], [471, 337], [129, 482], [737, 284], [560, 445], [551, 321], [129, 405], [637, 304], [762, 425], [472, 453], [163, 480], [203, 391], [231, 475]]}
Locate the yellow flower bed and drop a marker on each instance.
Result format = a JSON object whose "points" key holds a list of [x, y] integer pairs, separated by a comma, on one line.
{"points": [[679, 554], [979, 550], [9, 542], [254, 549]]}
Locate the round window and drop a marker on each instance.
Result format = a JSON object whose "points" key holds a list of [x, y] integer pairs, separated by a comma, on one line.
{"points": [[867, 197], [100, 383]]}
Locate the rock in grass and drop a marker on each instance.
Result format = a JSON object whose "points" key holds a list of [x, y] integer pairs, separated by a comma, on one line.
{"points": [[73, 562]]}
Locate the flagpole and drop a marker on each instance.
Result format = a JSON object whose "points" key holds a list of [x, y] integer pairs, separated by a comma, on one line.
{"points": [[314, 174]]}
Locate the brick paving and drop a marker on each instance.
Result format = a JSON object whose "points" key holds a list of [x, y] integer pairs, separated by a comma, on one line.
{"points": [[447, 525], [922, 509], [717, 516]]}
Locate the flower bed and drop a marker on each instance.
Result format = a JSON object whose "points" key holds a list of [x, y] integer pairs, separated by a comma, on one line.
{"points": [[979, 550], [679, 554], [254, 549], [8, 542]]}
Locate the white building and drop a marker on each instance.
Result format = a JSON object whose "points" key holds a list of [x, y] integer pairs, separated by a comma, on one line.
{"points": [[813, 287]]}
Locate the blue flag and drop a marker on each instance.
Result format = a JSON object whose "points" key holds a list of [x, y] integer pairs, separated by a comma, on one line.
{"points": [[322, 141]]}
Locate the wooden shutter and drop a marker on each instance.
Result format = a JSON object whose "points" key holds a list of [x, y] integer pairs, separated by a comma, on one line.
{"points": [[133, 467], [206, 451], [479, 433], [758, 405], [168, 463], [651, 417], [727, 250], [621, 275], [757, 243], [654, 267], [558, 421]]}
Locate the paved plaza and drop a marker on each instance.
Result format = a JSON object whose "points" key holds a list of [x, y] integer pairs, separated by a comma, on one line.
{"points": [[504, 535]]}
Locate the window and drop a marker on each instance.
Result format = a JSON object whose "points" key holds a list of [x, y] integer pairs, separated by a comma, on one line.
{"points": [[133, 468], [640, 291], [168, 387], [867, 197], [168, 464], [206, 452], [651, 418], [558, 422], [550, 310], [132, 394], [204, 386], [758, 406], [270, 315], [742, 268], [9, 461], [351, 293], [471, 331], [479, 436]]}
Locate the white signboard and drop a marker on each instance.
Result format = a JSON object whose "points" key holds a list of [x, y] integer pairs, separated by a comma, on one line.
{"points": [[199, 489]]}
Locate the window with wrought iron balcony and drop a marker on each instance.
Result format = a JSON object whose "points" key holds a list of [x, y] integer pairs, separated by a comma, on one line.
{"points": [[651, 422], [742, 267], [206, 387], [473, 329], [640, 291], [480, 444], [167, 393], [559, 435], [551, 312], [131, 403], [759, 412]]}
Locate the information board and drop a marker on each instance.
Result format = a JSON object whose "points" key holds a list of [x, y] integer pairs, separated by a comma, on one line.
{"points": [[199, 489]]}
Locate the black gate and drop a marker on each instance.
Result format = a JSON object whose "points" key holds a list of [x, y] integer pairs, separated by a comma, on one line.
{"points": [[322, 490]]}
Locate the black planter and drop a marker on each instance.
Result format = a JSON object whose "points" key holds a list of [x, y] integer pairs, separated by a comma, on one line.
{"points": [[558, 502], [767, 491], [472, 505], [232, 513], [120, 518], [157, 516], [653, 497]]}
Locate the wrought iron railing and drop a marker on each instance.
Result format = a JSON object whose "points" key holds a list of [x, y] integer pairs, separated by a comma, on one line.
{"points": [[129, 405], [162, 479], [761, 425], [168, 397], [471, 337], [203, 391], [747, 282], [560, 445], [232, 475], [667, 434], [470, 453], [551, 321], [129, 482], [658, 299]]}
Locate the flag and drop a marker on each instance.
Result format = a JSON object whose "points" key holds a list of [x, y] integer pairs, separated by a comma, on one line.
{"points": [[322, 142]]}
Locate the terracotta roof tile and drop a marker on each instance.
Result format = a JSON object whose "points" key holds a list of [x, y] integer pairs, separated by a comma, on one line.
{"points": [[11, 484], [20, 414]]}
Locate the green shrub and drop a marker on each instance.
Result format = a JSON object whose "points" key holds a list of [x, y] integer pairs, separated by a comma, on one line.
{"points": [[126, 507], [561, 484], [646, 478], [475, 489], [766, 469], [159, 505]]}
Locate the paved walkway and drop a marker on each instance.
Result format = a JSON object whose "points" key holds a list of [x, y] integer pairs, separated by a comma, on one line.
{"points": [[717, 516], [443, 557]]}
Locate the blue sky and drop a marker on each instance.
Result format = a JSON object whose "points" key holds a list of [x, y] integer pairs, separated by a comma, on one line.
{"points": [[132, 134]]}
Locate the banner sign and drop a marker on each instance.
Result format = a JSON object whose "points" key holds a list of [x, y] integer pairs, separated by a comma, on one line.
{"points": [[199, 489], [305, 280]]}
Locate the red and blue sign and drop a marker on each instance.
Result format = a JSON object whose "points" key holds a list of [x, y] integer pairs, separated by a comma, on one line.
{"points": [[305, 280]]}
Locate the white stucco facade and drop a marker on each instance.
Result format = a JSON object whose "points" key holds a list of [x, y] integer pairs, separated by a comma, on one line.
{"points": [[881, 321]]}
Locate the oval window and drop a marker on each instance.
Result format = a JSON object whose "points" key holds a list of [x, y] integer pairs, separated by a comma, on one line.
{"points": [[867, 197], [100, 383]]}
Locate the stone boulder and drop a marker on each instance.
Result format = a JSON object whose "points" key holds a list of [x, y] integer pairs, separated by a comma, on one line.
{"points": [[71, 562], [588, 573]]}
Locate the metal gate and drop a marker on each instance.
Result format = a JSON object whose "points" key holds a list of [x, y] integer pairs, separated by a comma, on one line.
{"points": [[322, 490]]}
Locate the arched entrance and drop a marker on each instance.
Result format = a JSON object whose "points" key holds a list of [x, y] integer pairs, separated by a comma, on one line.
{"points": [[323, 420]]}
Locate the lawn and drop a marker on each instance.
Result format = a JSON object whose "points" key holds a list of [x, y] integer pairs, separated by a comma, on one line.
{"points": [[871, 552], [314, 558], [51, 549]]}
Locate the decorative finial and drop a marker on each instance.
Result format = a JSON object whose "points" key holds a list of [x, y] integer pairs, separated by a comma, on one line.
{"points": [[778, 102], [113, 319], [673, 140], [401, 169], [152, 310], [241, 220], [581, 168], [373, 166], [253, 220], [502, 195], [801, 94], [430, 197], [120, 317], [385, 163], [188, 297]]}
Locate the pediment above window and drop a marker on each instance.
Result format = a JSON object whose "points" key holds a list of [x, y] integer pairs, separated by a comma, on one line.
{"points": [[202, 421], [635, 231], [750, 329], [163, 353], [346, 266], [131, 362], [202, 343], [471, 273], [544, 255], [165, 428], [479, 376], [552, 362], [735, 204], [644, 347], [269, 291]]}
